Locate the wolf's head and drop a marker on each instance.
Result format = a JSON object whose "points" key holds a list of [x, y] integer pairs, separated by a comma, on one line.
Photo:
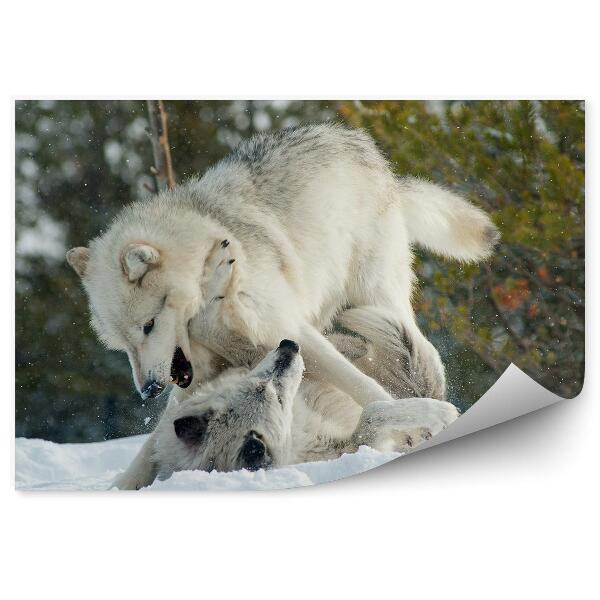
{"points": [[242, 421], [142, 278]]}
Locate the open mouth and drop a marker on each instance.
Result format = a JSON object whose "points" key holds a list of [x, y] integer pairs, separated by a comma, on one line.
{"points": [[181, 369]]}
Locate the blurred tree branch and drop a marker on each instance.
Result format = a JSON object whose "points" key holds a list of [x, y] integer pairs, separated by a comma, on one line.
{"points": [[158, 134]]}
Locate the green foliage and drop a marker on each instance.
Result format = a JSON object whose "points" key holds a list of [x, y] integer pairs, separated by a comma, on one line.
{"points": [[523, 162]]}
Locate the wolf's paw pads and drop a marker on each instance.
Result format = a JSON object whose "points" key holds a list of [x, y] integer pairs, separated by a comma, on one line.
{"points": [[404, 440]]}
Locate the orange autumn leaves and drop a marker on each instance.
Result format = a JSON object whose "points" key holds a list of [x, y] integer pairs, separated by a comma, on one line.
{"points": [[512, 293]]}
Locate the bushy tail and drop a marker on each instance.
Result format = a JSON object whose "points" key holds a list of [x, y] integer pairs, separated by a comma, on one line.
{"points": [[446, 223], [397, 356]]}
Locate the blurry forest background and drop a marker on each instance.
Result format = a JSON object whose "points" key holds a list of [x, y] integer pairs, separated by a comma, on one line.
{"points": [[79, 162]]}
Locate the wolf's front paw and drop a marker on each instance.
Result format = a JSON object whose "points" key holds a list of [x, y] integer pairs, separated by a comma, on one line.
{"points": [[219, 272]]}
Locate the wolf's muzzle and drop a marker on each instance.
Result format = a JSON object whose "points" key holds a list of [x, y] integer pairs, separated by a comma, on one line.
{"points": [[288, 346], [286, 351]]}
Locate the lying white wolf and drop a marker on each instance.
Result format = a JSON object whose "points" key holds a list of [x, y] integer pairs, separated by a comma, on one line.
{"points": [[270, 416], [315, 221]]}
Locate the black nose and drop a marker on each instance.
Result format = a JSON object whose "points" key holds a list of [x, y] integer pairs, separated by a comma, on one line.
{"points": [[253, 454], [289, 345], [151, 389]]}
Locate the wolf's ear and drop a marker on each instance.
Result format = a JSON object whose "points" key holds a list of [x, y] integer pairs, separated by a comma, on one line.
{"points": [[191, 430], [137, 259], [78, 259]]}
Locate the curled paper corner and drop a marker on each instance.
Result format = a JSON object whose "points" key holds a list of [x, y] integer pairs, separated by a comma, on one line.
{"points": [[514, 394]]}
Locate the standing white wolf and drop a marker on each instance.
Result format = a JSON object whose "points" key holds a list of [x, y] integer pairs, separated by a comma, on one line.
{"points": [[314, 221]]}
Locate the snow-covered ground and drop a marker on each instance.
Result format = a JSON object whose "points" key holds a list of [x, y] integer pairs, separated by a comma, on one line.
{"points": [[42, 465]]}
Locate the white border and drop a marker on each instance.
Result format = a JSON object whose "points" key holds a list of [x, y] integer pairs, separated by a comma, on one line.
{"points": [[509, 513]]}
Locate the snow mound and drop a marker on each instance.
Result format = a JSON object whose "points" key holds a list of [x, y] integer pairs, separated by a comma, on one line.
{"points": [[42, 465]]}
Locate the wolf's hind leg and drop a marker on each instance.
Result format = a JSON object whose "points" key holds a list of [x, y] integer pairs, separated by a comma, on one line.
{"points": [[397, 354]]}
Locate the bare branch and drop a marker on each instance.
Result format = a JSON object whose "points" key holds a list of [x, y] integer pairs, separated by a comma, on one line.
{"points": [[163, 167]]}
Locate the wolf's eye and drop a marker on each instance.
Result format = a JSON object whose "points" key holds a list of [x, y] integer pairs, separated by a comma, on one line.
{"points": [[148, 326]]}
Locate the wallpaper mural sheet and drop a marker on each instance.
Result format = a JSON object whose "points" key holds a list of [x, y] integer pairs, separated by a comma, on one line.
{"points": [[271, 294]]}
